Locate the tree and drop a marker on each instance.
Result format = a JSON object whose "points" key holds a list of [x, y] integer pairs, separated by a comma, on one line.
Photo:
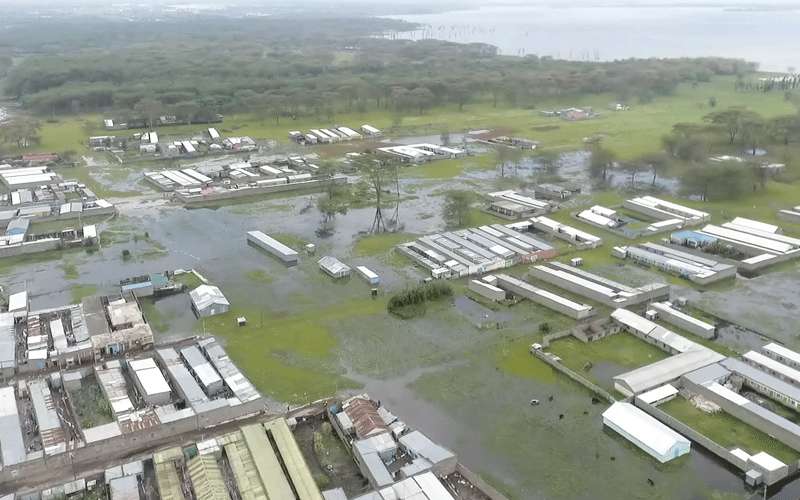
{"points": [[150, 108], [460, 94], [753, 131], [379, 174], [730, 120], [718, 181], [422, 97], [444, 137], [631, 168], [656, 163], [548, 162], [455, 209], [187, 111], [21, 130], [602, 159], [502, 159]]}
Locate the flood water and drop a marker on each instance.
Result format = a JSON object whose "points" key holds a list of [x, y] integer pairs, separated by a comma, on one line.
{"points": [[590, 30]]}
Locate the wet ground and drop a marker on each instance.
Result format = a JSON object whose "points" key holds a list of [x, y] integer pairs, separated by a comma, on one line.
{"points": [[441, 372]]}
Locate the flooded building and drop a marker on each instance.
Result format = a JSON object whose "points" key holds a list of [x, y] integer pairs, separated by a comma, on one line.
{"points": [[581, 239], [647, 433], [333, 267], [208, 300], [692, 267], [273, 246], [665, 210]]}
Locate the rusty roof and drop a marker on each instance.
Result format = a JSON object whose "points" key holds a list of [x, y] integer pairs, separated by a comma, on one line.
{"points": [[365, 418]]}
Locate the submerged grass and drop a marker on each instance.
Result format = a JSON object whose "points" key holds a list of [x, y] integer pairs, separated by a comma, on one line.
{"points": [[81, 291], [259, 276], [728, 431]]}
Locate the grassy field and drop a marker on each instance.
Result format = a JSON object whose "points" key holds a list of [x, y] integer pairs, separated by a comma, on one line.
{"points": [[380, 243], [80, 291], [728, 431], [259, 276]]}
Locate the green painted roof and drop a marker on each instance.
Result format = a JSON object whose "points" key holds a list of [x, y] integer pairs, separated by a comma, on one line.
{"points": [[169, 486], [269, 469], [296, 465], [207, 479], [158, 280], [244, 469]]}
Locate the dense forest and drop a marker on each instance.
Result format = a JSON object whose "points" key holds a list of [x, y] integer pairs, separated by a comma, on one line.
{"points": [[293, 66]]}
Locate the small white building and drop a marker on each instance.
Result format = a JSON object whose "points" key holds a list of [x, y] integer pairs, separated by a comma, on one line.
{"points": [[653, 437], [368, 275], [208, 300], [333, 267], [150, 382]]}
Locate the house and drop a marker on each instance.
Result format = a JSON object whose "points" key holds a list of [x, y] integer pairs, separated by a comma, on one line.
{"points": [[333, 267], [208, 300]]}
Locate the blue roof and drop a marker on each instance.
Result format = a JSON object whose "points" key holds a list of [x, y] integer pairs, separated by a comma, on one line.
{"points": [[136, 285], [694, 235]]}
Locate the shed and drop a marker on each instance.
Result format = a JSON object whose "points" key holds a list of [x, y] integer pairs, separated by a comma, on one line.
{"points": [[333, 267], [150, 382], [443, 461], [124, 488], [208, 300], [273, 246], [653, 437], [368, 275], [18, 304]]}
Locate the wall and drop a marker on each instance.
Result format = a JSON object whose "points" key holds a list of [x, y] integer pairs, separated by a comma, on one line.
{"points": [[485, 290], [574, 376], [531, 295], [238, 193], [579, 245], [129, 444], [45, 245], [90, 212], [479, 483], [789, 216]]}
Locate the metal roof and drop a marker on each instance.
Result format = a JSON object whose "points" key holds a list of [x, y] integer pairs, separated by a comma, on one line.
{"points": [[379, 443], [18, 301], [241, 387], [180, 375], [200, 366], [421, 446], [8, 342], [714, 372], [768, 364], [124, 488], [206, 295], [266, 462], [643, 428], [377, 469], [756, 375], [658, 394], [666, 370], [243, 467], [151, 379], [780, 351], [366, 419], [12, 445], [299, 473], [271, 243], [207, 480], [667, 307], [332, 265], [767, 461], [169, 485]]}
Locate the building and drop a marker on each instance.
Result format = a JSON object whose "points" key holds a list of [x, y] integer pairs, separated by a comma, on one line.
{"points": [[514, 206], [564, 232], [371, 131], [443, 461], [368, 276], [18, 305], [600, 216], [543, 297], [666, 312], [150, 382], [333, 267], [359, 417], [202, 370], [273, 246], [12, 445], [597, 288], [772, 367], [790, 215], [116, 325], [208, 300], [371, 454], [665, 210], [782, 354], [487, 290], [692, 267], [752, 241], [647, 433]]}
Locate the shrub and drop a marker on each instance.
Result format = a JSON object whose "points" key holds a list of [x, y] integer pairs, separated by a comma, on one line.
{"points": [[416, 297]]}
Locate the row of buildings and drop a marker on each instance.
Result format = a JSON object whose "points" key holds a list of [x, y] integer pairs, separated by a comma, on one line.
{"points": [[475, 251], [501, 286], [695, 268], [332, 135], [421, 153]]}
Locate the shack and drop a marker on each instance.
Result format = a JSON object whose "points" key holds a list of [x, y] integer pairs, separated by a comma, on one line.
{"points": [[368, 275], [333, 267], [208, 300]]}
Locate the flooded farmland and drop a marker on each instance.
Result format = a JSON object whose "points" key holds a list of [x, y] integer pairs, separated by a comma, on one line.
{"points": [[466, 385]]}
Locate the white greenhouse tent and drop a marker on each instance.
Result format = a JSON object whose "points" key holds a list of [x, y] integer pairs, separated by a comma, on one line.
{"points": [[655, 438]]}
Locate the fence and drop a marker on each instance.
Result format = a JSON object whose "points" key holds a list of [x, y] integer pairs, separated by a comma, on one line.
{"points": [[479, 483], [575, 377]]}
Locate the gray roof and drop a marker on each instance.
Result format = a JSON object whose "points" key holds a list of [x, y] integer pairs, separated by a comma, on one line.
{"points": [[241, 387], [711, 373], [762, 378], [334, 494], [666, 370], [180, 375], [377, 469], [12, 445], [124, 488], [206, 295], [20, 225], [8, 342], [420, 445]]}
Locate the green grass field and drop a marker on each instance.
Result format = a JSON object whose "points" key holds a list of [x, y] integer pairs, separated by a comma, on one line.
{"points": [[728, 431]]}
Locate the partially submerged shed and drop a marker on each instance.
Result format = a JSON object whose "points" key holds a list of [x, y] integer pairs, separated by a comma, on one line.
{"points": [[653, 437]]}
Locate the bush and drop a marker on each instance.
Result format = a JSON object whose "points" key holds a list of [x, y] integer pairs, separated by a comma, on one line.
{"points": [[416, 297], [322, 482], [126, 254]]}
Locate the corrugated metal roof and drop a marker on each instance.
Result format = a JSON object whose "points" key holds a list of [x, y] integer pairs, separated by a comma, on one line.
{"points": [[299, 473], [206, 295], [242, 388], [269, 469], [207, 479], [421, 446], [666, 370], [169, 486], [377, 469], [244, 469], [124, 488], [780, 351], [12, 446], [762, 378], [365, 418]]}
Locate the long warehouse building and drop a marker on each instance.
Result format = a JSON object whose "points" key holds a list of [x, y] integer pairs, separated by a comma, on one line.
{"points": [[273, 246]]}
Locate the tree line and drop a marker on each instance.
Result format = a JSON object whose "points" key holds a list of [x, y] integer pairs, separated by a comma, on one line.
{"points": [[280, 68]]}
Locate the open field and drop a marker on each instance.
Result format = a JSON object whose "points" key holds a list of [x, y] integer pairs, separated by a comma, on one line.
{"points": [[728, 431]]}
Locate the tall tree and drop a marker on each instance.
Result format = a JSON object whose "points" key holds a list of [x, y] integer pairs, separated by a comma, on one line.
{"points": [[656, 162], [456, 207], [730, 120], [151, 108], [602, 159], [21, 130]]}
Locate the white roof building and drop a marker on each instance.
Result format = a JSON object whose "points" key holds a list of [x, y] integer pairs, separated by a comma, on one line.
{"points": [[653, 437], [208, 300]]}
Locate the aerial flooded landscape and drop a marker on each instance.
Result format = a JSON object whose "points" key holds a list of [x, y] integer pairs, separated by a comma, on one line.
{"points": [[420, 255]]}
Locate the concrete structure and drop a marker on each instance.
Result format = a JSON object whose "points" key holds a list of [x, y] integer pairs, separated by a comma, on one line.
{"points": [[764, 383], [53, 438], [333, 267], [144, 289], [234, 379], [580, 238], [116, 324], [150, 382], [513, 205], [273, 246], [650, 435], [602, 290], [772, 367], [694, 268], [370, 131], [208, 300], [182, 380], [18, 305], [543, 297], [486, 290], [371, 454], [659, 395], [668, 313], [665, 210], [28, 177]]}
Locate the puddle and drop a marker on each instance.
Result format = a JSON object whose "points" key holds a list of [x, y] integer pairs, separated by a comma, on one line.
{"points": [[478, 314], [605, 371]]}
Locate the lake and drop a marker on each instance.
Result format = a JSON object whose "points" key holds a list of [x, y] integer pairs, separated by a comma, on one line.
{"points": [[756, 33]]}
